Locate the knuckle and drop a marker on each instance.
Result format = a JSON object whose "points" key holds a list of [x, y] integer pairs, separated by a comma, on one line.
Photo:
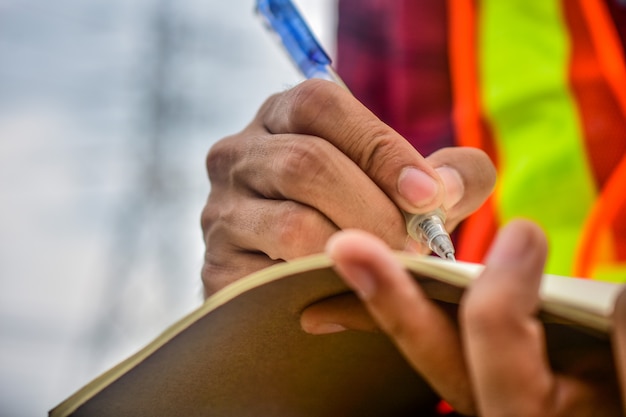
{"points": [[230, 158], [309, 100], [221, 266], [219, 159], [213, 227], [300, 231], [218, 209], [379, 151], [213, 278], [216, 273], [270, 107], [304, 161], [207, 218], [217, 221]]}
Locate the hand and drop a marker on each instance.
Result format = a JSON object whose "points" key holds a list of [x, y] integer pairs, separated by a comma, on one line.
{"points": [[313, 161], [493, 360]]}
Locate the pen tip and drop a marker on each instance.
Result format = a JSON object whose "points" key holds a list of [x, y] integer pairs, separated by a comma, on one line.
{"points": [[450, 257]]}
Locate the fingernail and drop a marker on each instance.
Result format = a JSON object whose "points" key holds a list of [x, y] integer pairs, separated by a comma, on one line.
{"points": [[359, 279], [324, 328], [417, 187], [453, 182]]}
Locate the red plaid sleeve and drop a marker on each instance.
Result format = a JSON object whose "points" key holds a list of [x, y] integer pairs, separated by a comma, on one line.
{"points": [[393, 56]]}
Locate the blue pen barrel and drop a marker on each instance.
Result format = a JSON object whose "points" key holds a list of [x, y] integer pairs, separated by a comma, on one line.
{"points": [[285, 20]]}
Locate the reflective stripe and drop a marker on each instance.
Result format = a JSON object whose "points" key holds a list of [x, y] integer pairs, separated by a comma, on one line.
{"points": [[606, 41], [466, 109], [597, 80], [603, 241], [478, 230], [544, 176], [599, 110], [599, 248]]}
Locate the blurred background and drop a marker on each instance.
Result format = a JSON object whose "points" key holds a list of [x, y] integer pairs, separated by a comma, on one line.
{"points": [[107, 110]]}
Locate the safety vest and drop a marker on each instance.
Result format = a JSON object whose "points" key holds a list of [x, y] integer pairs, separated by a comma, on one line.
{"points": [[541, 87]]}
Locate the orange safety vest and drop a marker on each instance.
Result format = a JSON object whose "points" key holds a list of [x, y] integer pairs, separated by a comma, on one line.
{"points": [[541, 87]]}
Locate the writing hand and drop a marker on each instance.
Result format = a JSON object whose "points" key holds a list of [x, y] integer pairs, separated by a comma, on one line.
{"points": [[314, 160]]}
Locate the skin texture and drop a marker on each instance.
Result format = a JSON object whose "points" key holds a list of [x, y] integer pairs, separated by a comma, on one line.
{"points": [[314, 161], [494, 363]]}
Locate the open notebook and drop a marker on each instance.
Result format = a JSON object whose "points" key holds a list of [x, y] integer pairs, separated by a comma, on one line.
{"points": [[242, 353]]}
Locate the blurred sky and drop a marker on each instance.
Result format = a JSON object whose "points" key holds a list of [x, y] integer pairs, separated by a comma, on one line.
{"points": [[107, 110]]}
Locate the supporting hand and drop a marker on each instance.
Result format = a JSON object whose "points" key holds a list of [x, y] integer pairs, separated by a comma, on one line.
{"points": [[493, 360]]}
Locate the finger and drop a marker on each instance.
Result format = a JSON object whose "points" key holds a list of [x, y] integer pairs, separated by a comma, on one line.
{"points": [[273, 227], [321, 108], [504, 341], [310, 171], [619, 342], [469, 178], [243, 235], [337, 314], [217, 274], [497, 318], [423, 333]]}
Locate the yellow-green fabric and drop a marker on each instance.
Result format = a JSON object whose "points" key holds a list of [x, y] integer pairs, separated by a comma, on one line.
{"points": [[523, 53]]}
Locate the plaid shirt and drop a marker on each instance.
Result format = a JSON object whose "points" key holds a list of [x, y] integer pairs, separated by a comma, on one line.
{"points": [[393, 54]]}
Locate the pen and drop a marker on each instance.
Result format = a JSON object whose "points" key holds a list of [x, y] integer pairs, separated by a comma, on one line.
{"points": [[282, 18]]}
